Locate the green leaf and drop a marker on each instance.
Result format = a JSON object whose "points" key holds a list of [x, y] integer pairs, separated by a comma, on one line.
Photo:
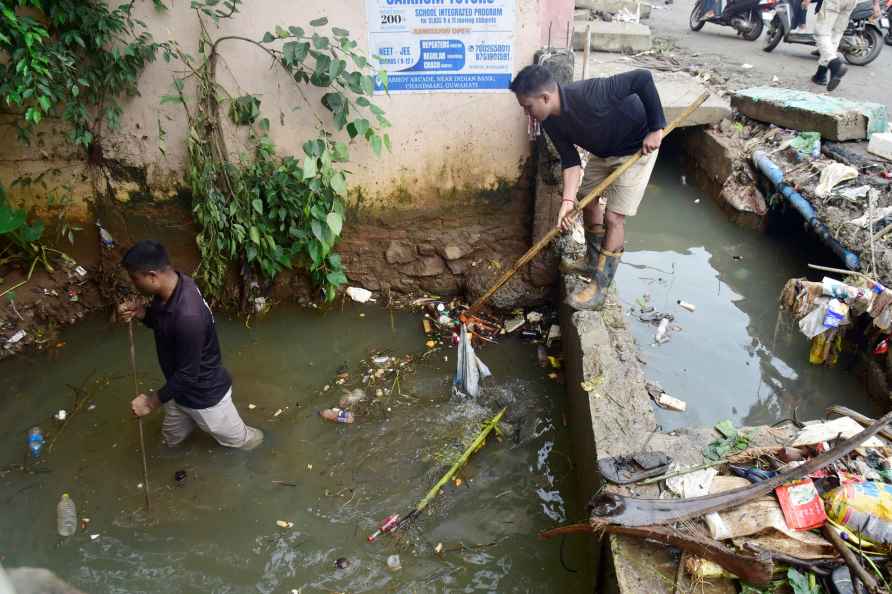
{"points": [[254, 233], [309, 167], [362, 126], [294, 52], [333, 101], [341, 152], [375, 140], [368, 85], [800, 583], [335, 222], [387, 143], [281, 33], [11, 219], [268, 37], [296, 31], [318, 231], [359, 60], [312, 148], [31, 233], [314, 248], [340, 32], [339, 184], [320, 42], [164, 98], [320, 22], [336, 68], [257, 203], [336, 278]]}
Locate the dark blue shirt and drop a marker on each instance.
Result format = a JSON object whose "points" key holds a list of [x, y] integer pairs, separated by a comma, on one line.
{"points": [[608, 117], [187, 347]]}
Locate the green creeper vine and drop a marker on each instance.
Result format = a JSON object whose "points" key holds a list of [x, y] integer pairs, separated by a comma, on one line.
{"points": [[261, 211], [71, 58]]}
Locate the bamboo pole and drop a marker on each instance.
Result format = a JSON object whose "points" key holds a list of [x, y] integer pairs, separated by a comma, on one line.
{"points": [[595, 193], [478, 443]]}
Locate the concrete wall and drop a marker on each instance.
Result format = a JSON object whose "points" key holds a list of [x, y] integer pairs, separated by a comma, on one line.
{"points": [[443, 143]]}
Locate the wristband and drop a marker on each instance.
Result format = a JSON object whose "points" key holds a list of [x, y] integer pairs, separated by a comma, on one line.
{"points": [[568, 200]]}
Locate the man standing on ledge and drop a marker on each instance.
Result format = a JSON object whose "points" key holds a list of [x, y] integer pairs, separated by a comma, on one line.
{"points": [[611, 118], [198, 389]]}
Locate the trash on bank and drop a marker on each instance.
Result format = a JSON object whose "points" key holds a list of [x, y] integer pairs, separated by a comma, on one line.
{"points": [[832, 175], [359, 295]]}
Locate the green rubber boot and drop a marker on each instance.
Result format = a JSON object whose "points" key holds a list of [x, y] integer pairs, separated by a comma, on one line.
{"points": [[592, 296], [586, 265]]}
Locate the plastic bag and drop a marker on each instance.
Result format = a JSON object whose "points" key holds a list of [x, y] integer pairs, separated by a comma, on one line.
{"points": [[470, 368], [812, 323], [865, 509]]}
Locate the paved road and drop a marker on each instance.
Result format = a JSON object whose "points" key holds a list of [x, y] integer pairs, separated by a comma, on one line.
{"points": [[792, 64]]}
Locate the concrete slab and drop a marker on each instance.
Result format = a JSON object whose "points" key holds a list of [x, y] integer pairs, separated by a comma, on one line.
{"points": [[881, 145], [677, 89], [835, 118], [608, 6], [613, 36]]}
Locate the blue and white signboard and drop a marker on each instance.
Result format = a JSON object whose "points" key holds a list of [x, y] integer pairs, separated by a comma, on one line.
{"points": [[443, 45]]}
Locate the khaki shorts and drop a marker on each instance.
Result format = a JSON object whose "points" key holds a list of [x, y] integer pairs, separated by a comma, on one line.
{"points": [[222, 421], [625, 194]]}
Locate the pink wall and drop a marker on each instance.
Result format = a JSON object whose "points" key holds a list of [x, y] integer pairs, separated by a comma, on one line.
{"points": [[558, 14]]}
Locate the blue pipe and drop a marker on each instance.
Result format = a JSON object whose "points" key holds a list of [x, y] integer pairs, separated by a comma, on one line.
{"points": [[800, 203]]}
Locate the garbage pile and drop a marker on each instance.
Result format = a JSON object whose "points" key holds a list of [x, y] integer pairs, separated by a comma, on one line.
{"points": [[816, 507], [824, 310]]}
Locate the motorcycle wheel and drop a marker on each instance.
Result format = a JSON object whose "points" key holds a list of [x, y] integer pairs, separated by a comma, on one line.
{"points": [[873, 39], [754, 33], [694, 21], [889, 38], [774, 36]]}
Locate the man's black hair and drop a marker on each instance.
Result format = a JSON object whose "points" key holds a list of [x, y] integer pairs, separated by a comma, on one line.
{"points": [[146, 256], [533, 80]]}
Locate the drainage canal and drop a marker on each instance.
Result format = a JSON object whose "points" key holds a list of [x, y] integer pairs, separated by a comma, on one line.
{"points": [[731, 358], [215, 529]]}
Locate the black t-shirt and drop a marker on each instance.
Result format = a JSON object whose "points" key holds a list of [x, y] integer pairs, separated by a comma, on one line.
{"points": [[187, 347], [608, 117]]}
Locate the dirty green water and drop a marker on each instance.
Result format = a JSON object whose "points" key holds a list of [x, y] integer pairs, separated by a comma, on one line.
{"points": [[217, 532], [727, 361]]}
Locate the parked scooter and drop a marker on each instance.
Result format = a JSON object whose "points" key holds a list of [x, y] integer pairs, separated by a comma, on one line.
{"points": [[886, 22], [860, 45], [743, 15]]}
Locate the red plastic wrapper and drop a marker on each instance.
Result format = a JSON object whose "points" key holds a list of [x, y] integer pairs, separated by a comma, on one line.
{"points": [[802, 506]]}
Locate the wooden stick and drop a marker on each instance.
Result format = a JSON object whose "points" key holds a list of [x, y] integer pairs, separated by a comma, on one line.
{"points": [[838, 270], [851, 560], [142, 440], [594, 194]]}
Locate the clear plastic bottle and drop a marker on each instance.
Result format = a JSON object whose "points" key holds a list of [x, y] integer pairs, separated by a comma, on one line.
{"points": [[35, 441], [66, 516]]}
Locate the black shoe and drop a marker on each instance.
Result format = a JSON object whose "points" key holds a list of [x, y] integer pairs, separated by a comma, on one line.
{"points": [[837, 71], [820, 77]]}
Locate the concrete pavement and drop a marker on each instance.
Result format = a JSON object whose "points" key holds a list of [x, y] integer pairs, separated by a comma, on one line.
{"points": [[721, 49]]}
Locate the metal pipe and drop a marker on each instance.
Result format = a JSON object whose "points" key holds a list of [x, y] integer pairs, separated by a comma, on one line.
{"points": [[805, 208]]}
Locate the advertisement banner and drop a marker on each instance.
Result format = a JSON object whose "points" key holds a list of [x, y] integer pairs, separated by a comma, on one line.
{"points": [[442, 45]]}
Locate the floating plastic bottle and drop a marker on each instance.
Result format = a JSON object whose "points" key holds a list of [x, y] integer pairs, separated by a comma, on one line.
{"points": [[337, 415], [104, 236], [66, 516], [35, 441], [393, 563]]}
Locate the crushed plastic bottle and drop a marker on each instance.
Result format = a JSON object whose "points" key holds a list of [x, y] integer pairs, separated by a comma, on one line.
{"points": [[337, 415], [35, 441], [660, 336], [66, 516]]}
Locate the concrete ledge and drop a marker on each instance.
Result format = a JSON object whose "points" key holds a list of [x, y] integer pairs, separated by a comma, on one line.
{"points": [[613, 36], [834, 117], [610, 413]]}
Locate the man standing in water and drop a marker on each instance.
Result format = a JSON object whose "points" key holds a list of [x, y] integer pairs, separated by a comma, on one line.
{"points": [[611, 118], [198, 389]]}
